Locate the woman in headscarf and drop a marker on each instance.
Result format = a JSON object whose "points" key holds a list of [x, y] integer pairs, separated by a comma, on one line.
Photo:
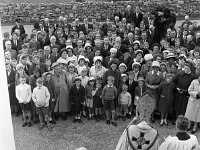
{"points": [[60, 80]]}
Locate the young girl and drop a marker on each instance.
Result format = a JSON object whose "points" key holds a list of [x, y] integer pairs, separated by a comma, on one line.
{"points": [[139, 90], [97, 102], [77, 97], [71, 75], [166, 90], [89, 99]]}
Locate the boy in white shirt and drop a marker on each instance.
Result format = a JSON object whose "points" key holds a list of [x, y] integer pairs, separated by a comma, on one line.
{"points": [[41, 98], [124, 101], [23, 94]]}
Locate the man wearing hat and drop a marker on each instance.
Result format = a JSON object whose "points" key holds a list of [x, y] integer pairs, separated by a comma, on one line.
{"points": [[153, 80], [147, 66], [18, 26]]}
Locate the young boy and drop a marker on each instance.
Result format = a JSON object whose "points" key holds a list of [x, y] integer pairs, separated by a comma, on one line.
{"points": [[109, 94], [124, 100], [41, 98], [23, 94]]}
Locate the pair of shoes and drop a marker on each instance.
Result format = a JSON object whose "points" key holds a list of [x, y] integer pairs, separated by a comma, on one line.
{"points": [[114, 123], [108, 122], [193, 132], [52, 121], [24, 124], [29, 124], [165, 122], [41, 127], [64, 118], [129, 116], [49, 127], [89, 117], [79, 121], [124, 119]]}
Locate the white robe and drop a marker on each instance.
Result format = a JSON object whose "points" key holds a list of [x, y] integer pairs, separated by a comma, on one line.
{"points": [[123, 143], [173, 143]]}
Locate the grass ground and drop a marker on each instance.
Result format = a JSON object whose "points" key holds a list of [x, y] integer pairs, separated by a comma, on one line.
{"points": [[69, 136]]}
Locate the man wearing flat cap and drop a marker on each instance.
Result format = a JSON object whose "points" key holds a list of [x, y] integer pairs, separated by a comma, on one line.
{"points": [[18, 26]]}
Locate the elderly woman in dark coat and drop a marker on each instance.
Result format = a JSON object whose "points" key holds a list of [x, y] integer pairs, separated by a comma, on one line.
{"points": [[182, 82]]}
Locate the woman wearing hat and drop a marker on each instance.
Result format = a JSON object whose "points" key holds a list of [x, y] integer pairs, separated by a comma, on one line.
{"points": [[138, 58], [147, 66], [97, 69], [182, 82], [71, 75], [170, 58], [153, 80], [60, 80], [70, 54], [89, 53]]}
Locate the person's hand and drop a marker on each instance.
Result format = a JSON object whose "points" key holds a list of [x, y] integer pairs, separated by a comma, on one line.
{"points": [[53, 99], [8, 85], [72, 103]]}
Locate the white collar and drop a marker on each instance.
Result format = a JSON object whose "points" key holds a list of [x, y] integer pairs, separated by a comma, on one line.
{"points": [[110, 86], [158, 73]]}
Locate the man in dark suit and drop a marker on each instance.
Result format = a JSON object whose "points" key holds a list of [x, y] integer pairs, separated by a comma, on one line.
{"points": [[105, 27], [105, 47], [137, 16], [15, 42], [46, 25], [18, 26], [128, 14], [86, 26], [77, 25], [129, 41], [196, 39], [47, 55]]}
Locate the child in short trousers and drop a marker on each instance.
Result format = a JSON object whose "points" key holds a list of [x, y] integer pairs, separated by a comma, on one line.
{"points": [[124, 101], [109, 94], [41, 97], [23, 94]]}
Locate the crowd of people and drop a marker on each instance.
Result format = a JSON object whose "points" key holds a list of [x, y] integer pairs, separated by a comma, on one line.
{"points": [[82, 69], [100, 10]]}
